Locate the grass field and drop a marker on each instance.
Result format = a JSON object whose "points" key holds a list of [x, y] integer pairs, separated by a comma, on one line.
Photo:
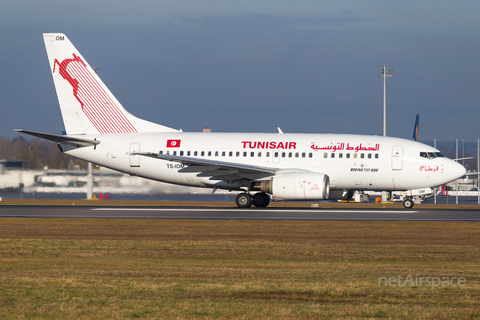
{"points": [[83, 268]]}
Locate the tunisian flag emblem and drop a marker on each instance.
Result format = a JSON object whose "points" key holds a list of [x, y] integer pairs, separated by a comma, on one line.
{"points": [[173, 143]]}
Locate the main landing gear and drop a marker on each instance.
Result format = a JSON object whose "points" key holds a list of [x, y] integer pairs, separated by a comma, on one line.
{"points": [[246, 200]]}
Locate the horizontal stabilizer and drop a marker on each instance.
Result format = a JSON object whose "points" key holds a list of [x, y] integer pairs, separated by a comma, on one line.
{"points": [[61, 138]]}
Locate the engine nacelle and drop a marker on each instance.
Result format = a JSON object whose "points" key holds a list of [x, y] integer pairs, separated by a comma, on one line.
{"points": [[298, 186]]}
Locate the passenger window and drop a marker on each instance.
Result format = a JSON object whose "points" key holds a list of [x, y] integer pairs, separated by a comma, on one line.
{"points": [[195, 153], [347, 155], [223, 154], [244, 153], [303, 154], [181, 153], [160, 152], [267, 155], [238, 153], [325, 155], [296, 154], [230, 154], [168, 152], [310, 155], [289, 154], [252, 154], [259, 154], [362, 156], [355, 156], [209, 153], [332, 155], [174, 153], [340, 155], [276, 154], [216, 153], [376, 155], [369, 156], [283, 154], [203, 153]]}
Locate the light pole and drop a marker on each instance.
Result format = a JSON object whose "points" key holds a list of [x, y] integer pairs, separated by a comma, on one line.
{"points": [[384, 73]]}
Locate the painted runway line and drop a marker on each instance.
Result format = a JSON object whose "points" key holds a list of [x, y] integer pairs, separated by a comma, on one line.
{"points": [[246, 211]]}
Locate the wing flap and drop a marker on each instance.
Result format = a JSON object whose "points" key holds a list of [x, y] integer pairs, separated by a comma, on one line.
{"points": [[208, 167]]}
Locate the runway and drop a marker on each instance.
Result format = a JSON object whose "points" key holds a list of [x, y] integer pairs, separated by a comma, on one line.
{"points": [[222, 213]]}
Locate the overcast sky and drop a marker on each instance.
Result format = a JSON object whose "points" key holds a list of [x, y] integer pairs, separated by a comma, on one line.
{"points": [[303, 66]]}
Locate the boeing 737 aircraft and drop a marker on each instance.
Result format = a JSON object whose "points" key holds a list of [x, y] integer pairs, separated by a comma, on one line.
{"points": [[262, 165]]}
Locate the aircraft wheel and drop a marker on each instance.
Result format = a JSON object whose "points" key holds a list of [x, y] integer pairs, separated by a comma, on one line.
{"points": [[261, 200], [408, 203], [244, 200]]}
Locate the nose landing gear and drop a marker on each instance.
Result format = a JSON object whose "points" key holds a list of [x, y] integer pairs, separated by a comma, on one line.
{"points": [[408, 203]]}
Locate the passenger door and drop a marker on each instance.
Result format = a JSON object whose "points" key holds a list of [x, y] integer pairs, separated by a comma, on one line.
{"points": [[397, 158]]}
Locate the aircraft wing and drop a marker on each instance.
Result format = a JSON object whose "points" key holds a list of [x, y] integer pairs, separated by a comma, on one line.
{"points": [[217, 170], [61, 138]]}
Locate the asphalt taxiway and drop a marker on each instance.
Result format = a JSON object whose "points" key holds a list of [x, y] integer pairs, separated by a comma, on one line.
{"points": [[226, 213]]}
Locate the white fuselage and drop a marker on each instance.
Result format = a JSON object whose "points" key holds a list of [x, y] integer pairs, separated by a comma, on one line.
{"points": [[353, 162]]}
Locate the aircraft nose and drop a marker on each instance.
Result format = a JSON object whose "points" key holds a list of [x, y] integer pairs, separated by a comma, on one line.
{"points": [[456, 170]]}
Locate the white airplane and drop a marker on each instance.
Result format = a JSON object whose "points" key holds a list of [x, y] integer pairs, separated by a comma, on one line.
{"points": [[285, 166]]}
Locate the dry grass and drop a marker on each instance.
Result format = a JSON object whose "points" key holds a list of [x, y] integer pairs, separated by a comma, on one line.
{"points": [[68, 268]]}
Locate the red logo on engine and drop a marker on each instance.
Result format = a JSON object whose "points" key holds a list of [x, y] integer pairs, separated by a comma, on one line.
{"points": [[173, 143]]}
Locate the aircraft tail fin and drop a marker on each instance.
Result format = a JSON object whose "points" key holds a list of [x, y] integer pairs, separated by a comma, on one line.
{"points": [[87, 106], [416, 128]]}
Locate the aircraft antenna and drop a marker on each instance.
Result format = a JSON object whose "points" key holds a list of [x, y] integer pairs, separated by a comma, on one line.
{"points": [[384, 73]]}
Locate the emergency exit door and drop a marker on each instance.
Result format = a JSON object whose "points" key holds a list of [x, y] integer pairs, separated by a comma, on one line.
{"points": [[134, 159]]}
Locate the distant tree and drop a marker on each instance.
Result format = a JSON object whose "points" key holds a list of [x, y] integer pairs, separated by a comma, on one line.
{"points": [[39, 153]]}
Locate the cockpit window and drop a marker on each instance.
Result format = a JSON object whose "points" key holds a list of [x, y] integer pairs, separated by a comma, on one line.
{"points": [[431, 155]]}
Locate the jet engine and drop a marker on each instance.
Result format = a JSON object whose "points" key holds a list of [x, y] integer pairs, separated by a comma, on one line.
{"points": [[298, 186]]}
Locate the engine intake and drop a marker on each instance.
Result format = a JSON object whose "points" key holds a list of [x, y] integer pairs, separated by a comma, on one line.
{"points": [[298, 186]]}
